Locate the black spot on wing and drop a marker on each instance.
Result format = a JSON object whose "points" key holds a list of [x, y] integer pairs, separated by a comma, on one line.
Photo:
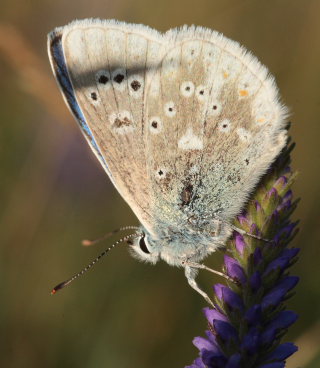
{"points": [[119, 78], [135, 85], [103, 79]]}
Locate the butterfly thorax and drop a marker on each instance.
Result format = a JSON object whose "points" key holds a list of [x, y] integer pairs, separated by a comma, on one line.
{"points": [[174, 245]]}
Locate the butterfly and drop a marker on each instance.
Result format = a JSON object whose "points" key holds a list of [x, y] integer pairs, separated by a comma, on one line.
{"points": [[184, 123]]}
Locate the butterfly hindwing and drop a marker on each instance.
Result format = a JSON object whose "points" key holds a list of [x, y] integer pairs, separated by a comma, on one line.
{"points": [[221, 126]]}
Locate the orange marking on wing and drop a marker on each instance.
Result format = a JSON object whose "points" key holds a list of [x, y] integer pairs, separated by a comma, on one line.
{"points": [[243, 92]]}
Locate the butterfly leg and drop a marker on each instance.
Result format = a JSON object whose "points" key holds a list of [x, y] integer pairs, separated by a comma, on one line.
{"points": [[243, 232], [191, 274], [240, 231], [204, 267]]}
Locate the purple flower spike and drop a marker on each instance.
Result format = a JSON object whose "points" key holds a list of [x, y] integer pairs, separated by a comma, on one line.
{"points": [[249, 317]]}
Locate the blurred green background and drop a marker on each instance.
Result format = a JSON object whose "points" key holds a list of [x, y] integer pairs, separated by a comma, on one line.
{"points": [[53, 194]]}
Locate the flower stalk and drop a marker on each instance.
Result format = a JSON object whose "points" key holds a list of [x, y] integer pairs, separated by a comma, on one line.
{"points": [[249, 319]]}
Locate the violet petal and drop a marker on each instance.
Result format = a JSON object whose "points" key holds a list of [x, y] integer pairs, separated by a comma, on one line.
{"points": [[231, 298], [198, 363], [268, 336], [234, 361], [212, 314], [254, 229], [234, 270], [281, 262], [273, 365], [257, 206], [243, 219], [213, 360], [290, 252], [253, 315], [282, 181], [240, 243], [284, 319], [282, 352], [212, 338], [288, 196], [250, 341], [257, 256], [218, 290], [225, 331], [255, 281], [202, 343], [275, 296], [272, 193]]}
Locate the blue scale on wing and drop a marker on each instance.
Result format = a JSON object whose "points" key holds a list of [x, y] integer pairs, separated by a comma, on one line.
{"points": [[68, 92]]}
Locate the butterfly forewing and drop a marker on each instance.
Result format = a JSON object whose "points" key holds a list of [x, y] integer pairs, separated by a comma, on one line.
{"points": [[107, 65]]}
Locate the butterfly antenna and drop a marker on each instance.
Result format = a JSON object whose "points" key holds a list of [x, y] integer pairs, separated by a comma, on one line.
{"points": [[87, 268], [88, 243]]}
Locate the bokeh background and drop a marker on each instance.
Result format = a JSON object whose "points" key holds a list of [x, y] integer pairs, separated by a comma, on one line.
{"points": [[53, 194]]}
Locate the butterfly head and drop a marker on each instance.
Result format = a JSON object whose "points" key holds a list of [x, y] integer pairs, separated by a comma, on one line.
{"points": [[143, 248]]}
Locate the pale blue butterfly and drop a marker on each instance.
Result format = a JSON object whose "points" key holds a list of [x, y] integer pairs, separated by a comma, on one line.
{"points": [[184, 123]]}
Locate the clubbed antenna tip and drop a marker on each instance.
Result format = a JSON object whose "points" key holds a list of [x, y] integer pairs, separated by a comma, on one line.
{"points": [[87, 268], [59, 287]]}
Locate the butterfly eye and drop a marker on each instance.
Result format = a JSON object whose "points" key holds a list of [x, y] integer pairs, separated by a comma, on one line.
{"points": [[143, 246]]}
